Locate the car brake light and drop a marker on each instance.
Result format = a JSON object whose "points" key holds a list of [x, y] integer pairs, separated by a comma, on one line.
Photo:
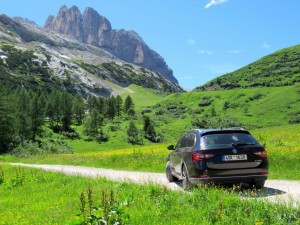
{"points": [[201, 157], [262, 153]]}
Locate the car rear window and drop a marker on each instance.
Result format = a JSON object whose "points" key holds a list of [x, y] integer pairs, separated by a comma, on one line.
{"points": [[221, 139]]}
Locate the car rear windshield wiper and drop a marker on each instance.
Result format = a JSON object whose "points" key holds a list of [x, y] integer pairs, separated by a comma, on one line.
{"points": [[241, 144]]}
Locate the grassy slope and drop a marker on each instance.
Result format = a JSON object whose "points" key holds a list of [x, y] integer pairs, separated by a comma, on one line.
{"points": [[275, 106], [280, 68], [143, 97]]}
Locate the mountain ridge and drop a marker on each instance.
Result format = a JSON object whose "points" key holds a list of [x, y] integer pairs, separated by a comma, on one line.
{"points": [[92, 28], [66, 63]]}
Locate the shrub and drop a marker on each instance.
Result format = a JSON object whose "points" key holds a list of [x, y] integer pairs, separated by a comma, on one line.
{"points": [[295, 120], [71, 135], [54, 146], [160, 112], [102, 137], [206, 101], [146, 110], [114, 127], [216, 122], [256, 96], [1, 175], [134, 134]]}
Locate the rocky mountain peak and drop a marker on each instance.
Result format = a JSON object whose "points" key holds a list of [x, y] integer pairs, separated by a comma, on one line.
{"points": [[92, 28]]}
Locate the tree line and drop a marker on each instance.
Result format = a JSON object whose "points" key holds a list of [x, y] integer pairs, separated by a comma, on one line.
{"points": [[24, 115]]}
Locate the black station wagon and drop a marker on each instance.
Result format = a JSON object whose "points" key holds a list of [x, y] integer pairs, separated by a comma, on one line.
{"points": [[224, 156]]}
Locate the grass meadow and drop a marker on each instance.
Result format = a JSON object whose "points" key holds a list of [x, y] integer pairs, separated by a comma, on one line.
{"points": [[33, 196], [282, 144]]}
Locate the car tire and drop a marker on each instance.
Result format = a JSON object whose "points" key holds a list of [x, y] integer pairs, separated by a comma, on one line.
{"points": [[258, 184], [169, 174], [186, 183]]}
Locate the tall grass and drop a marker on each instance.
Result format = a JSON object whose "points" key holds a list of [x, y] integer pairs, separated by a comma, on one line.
{"points": [[50, 198]]}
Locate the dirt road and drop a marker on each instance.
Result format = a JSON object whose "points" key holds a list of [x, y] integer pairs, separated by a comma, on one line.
{"points": [[280, 191]]}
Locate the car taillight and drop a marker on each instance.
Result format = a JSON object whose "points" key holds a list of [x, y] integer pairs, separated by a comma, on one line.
{"points": [[262, 153], [201, 157]]}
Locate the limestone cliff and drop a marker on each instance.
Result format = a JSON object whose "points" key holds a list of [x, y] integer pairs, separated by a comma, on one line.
{"points": [[92, 28]]}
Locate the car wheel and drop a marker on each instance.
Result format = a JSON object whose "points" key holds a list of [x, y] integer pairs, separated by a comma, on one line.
{"points": [[186, 184], [169, 174], [258, 184]]}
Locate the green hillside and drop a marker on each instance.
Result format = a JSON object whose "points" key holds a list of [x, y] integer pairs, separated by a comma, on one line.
{"points": [[250, 108], [282, 68]]}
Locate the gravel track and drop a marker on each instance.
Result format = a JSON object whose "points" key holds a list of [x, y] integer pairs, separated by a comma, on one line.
{"points": [[278, 191]]}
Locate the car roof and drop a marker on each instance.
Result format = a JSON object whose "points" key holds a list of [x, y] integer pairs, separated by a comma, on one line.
{"points": [[221, 130]]}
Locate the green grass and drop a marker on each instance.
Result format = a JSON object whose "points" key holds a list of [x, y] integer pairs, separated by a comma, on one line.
{"points": [[272, 107], [282, 144], [31, 196], [143, 97], [280, 68]]}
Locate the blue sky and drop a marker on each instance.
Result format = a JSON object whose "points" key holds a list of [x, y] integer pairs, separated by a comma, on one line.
{"points": [[199, 39]]}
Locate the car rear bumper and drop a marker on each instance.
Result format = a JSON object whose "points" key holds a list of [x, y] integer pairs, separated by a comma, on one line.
{"points": [[228, 179]]}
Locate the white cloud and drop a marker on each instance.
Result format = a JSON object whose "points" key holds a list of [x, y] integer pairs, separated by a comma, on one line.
{"points": [[234, 51], [206, 52], [265, 45], [214, 2], [191, 41]]}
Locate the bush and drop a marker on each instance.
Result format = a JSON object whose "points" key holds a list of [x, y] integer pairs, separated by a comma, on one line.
{"points": [[54, 146], [295, 120], [216, 122], [102, 137], [114, 127], [71, 135], [146, 110], [206, 101], [160, 112], [134, 135], [256, 96]]}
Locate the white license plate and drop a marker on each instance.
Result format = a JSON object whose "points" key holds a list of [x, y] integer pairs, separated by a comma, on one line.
{"points": [[234, 157]]}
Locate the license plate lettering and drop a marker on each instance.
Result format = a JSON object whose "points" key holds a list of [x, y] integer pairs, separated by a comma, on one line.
{"points": [[234, 157]]}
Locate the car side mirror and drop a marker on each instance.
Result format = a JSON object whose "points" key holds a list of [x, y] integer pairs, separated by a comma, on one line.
{"points": [[171, 147]]}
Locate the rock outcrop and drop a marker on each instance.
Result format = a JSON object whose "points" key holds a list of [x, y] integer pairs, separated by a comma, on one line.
{"points": [[92, 28], [50, 60]]}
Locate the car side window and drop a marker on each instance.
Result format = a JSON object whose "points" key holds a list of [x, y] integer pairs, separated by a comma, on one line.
{"points": [[183, 142], [191, 140], [180, 142]]}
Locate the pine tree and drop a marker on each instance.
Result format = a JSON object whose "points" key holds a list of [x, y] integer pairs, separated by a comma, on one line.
{"points": [[7, 124], [133, 134], [23, 119], [67, 113], [37, 113], [92, 103], [111, 108], [78, 108], [149, 130], [118, 105], [100, 106], [129, 106], [54, 110], [94, 123]]}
